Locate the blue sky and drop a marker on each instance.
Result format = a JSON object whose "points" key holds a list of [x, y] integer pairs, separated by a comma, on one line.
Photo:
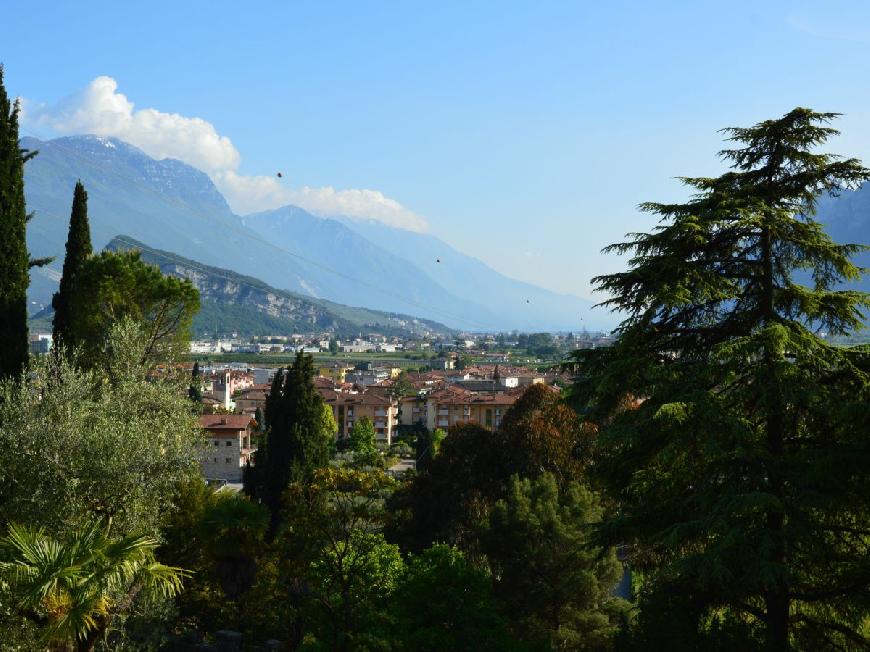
{"points": [[522, 133]]}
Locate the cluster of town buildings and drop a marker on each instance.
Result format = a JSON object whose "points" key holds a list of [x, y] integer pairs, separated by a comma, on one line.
{"points": [[496, 347], [391, 399], [441, 397], [378, 343], [309, 343]]}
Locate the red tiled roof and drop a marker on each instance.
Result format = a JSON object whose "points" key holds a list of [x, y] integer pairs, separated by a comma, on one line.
{"points": [[224, 421], [360, 398], [368, 399], [252, 395], [453, 395]]}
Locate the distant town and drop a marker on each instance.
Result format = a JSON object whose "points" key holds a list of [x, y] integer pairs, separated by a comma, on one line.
{"points": [[429, 350], [398, 384]]}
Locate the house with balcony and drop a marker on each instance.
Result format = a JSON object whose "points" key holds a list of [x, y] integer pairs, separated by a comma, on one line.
{"points": [[452, 405], [350, 407]]}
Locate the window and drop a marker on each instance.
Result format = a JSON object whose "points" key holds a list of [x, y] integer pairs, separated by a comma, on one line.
{"points": [[229, 443], [216, 442], [228, 460]]}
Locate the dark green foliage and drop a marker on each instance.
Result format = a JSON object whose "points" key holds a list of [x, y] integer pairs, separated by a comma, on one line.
{"points": [[78, 250], [444, 603], [14, 260], [341, 569], [673, 616], [194, 392], [233, 528], [112, 286], [553, 584], [450, 497], [183, 545], [734, 438], [541, 433], [218, 537], [298, 439], [427, 445]]}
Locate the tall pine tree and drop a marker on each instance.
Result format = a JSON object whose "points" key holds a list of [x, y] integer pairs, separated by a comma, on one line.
{"points": [[298, 439], [14, 260], [78, 249], [733, 437]]}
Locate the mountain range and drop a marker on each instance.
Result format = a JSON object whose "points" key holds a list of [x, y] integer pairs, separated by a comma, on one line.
{"points": [[231, 302], [173, 207], [846, 218]]}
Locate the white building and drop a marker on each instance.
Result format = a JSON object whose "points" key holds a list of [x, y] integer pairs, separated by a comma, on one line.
{"points": [[226, 446]]}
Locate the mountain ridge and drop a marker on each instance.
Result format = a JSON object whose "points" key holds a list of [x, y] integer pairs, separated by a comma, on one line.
{"points": [[176, 208], [219, 288], [131, 193]]}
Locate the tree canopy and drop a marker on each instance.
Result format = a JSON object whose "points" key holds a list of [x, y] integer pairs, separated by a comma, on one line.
{"points": [[299, 438], [733, 437], [333, 545], [82, 444], [14, 259], [78, 250], [444, 603], [362, 441], [451, 496], [555, 584], [114, 285]]}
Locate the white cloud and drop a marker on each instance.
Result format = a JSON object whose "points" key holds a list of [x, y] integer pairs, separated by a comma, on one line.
{"points": [[248, 194], [100, 109]]}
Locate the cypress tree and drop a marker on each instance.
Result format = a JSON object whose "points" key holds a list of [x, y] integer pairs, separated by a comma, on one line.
{"points": [[194, 392], [14, 260], [78, 249], [732, 437], [296, 441]]}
